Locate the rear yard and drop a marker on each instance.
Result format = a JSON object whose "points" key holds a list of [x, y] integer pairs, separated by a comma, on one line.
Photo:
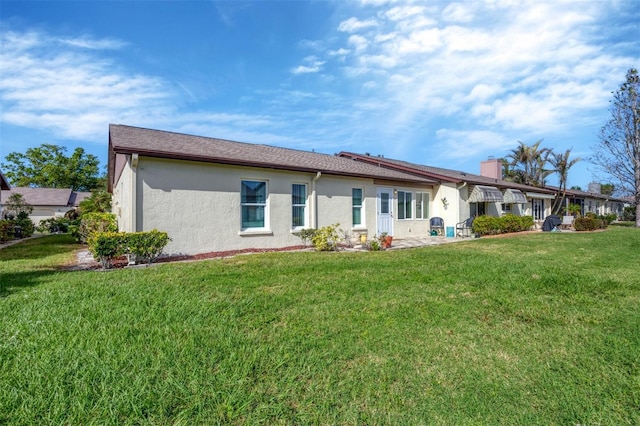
{"points": [[530, 329]]}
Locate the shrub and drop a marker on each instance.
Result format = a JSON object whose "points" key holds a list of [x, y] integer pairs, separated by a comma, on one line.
{"points": [[306, 235], [54, 225], [95, 222], [326, 238], [629, 214], [26, 225], [608, 218], [147, 245], [5, 230], [489, 225], [486, 225], [586, 224], [106, 246]]}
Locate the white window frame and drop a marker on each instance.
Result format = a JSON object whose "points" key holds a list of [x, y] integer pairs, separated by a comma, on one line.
{"points": [[402, 210], [540, 202], [265, 206], [424, 204], [358, 206], [304, 206]]}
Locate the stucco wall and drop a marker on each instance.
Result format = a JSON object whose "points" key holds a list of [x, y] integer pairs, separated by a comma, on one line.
{"points": [[198, 205], [122, 198]]}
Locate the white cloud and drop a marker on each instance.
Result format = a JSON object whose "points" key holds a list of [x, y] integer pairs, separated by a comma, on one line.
{"points": [[352, 25], [312, 65], [70, 94], [87, 42], [458, 12]]}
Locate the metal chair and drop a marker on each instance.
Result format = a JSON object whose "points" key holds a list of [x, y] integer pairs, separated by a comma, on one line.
{"points": [[463, 229], [436, 224]]}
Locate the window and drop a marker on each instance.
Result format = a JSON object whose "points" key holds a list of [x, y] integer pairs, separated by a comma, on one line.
{"points": [[254, 204], [477, 209], [356, 206], [422, 205], [404, 205], [537, 206], [298, 205]]}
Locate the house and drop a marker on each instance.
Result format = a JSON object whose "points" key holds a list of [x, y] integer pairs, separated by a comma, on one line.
{"points": [[46, 202], [460, 195], [217, 195], [212, 194], [593, 201]]}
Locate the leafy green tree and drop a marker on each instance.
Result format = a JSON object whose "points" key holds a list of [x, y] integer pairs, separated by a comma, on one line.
{"points": [[98, 202], [47, 166], [607, 188], [16, 205], [618, 151]]}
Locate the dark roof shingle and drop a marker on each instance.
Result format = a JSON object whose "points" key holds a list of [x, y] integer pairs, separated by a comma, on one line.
{"points": [[163, 144]]}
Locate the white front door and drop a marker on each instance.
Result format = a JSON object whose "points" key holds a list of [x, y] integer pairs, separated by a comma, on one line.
{"points": [[385, 211]]}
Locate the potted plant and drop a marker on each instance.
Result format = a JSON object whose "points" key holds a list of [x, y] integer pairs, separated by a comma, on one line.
{"points": [[385, 240]]}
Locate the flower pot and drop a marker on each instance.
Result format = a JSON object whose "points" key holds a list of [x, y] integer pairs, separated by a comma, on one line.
{"points": [[386, 241], [363, 238]]}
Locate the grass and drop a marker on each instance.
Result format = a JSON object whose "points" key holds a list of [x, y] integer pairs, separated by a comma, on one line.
{"points": [[532, 329]]}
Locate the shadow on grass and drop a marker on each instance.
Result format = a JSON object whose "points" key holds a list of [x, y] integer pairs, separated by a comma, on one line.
{"points": [[11, 283], [39, 248], [27, 263]]}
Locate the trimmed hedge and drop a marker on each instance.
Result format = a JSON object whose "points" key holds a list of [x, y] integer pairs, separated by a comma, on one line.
{"points": [[490, 225], [588, 224], [106, 246], [147, 245]]}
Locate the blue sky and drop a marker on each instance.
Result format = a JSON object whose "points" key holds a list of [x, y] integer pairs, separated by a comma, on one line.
{"points": [[446, 84]]}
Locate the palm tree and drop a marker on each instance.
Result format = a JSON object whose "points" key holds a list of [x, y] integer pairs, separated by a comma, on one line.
{"points": [[561, 165], [528, 163]]}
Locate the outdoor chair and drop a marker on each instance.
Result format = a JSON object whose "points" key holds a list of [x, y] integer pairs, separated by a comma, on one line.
{"points": [[436, 224], [567, 222], [463, 229]]}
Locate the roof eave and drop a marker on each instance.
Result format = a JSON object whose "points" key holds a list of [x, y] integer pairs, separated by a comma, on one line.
{"points": [[238, 162]]}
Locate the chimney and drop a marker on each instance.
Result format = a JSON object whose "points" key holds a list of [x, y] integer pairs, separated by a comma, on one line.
{"points": [[491, 168]]}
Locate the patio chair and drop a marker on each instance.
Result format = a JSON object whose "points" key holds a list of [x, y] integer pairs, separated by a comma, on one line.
{"points": [[463, 229], [436, 224], [567, 222]]}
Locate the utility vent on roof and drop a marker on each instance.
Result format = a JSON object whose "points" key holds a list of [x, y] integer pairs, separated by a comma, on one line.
{"points": [[514, 196], [485, 194]]}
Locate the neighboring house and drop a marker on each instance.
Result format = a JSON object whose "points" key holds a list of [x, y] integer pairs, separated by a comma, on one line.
{"points": [[217, 195], [47, 202], [593, 201], [468, 195]]}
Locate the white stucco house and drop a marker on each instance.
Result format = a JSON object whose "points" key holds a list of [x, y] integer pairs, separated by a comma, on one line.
{"points": [[212, 194], [47, 202], [469, 195], [216, 195]]}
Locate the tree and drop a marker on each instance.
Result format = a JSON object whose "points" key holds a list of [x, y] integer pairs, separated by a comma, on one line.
{"points": [[561, 165], [618, 151], [607, 188], [17, 206], [98, 202], [47, 166], [527, 164]]}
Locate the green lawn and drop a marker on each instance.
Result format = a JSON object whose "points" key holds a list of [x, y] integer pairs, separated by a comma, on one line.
{"points": [[531, 329]]}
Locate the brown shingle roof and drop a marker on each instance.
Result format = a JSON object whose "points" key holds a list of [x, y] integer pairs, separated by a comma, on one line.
{"points": [[162, 144], [441, 174], [41, 196]]}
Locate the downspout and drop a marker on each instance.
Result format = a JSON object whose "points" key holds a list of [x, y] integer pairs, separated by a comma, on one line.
{"points": [[134, 187], [458, 188], [314, 201]]}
